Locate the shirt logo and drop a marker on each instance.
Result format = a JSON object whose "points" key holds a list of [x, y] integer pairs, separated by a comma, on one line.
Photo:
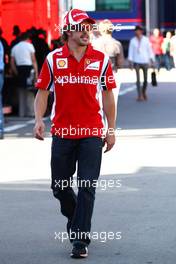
{"points": [[91, 65], [62, 63]]}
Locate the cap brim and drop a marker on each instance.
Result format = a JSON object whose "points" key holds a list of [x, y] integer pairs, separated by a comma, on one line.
{"points": [[89, 19]]}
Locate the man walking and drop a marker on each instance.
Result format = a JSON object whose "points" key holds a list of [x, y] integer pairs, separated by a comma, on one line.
{"points": [[77, 74], [109, 45], [140, 56], [156, 40], [23, 61], [173, 48]]}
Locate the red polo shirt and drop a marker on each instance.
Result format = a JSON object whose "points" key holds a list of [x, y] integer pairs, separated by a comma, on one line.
{"points": [[156, 44], [76, 111]]}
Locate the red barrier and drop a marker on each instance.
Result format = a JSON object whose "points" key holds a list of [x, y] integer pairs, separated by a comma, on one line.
{"points": [[27, 13]]}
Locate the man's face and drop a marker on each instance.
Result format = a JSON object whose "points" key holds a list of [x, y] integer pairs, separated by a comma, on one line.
{"points": [[80, 33], [168, 35], [156, 32], [138, 33]]}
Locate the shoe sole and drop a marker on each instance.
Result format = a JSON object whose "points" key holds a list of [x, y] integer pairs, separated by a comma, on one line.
{"points": [[72, 255], [78, 256]]}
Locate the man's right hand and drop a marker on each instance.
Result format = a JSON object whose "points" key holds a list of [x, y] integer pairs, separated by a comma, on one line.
{"points": [[131, 65], [39, 130]]}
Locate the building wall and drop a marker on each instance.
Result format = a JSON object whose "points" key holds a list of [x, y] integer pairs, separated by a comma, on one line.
{"points": [[27, 13]]}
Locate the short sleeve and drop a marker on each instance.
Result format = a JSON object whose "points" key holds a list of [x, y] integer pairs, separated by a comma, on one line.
{"points": [[45, 79], [31, 48], [107, 79]]}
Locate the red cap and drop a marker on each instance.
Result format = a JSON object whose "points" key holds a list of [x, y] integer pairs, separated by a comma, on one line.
{"points": [[76, 16]]}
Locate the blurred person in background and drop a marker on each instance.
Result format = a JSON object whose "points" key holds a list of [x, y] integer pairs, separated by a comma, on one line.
{"points": [[57, 43], [166, 47], [109, 45], [1, 87], [6, 49], [95, 33], [16, 33], [156, 41], [173, 48], [38, 38], [23, 61], [140, 56]]}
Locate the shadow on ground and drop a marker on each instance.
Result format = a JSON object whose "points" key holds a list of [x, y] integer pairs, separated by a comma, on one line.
{"points": [[142, 209]]}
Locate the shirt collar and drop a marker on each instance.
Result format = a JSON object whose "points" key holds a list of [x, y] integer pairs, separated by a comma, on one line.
{"points": [[140, 39]]}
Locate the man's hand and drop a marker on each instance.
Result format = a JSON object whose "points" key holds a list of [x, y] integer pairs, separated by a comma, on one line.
{"points": [[152, 63], [131, 65], [35, 77], [13, 66], [109, 141], [39, 130]]}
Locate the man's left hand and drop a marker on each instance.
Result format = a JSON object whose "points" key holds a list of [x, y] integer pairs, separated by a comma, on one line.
{"points": [[109, 141]]}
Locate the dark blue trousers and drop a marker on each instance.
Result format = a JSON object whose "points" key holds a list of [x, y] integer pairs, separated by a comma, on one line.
{"points": [[66, 154]]}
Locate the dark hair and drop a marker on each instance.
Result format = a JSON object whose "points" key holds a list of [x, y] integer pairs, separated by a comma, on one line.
{"points": [[138, 28], [64, 36], [16, 30], [24, 36]]}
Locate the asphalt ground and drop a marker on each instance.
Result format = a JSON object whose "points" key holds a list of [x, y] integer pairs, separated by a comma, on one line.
{"points": [[142, 208]]}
